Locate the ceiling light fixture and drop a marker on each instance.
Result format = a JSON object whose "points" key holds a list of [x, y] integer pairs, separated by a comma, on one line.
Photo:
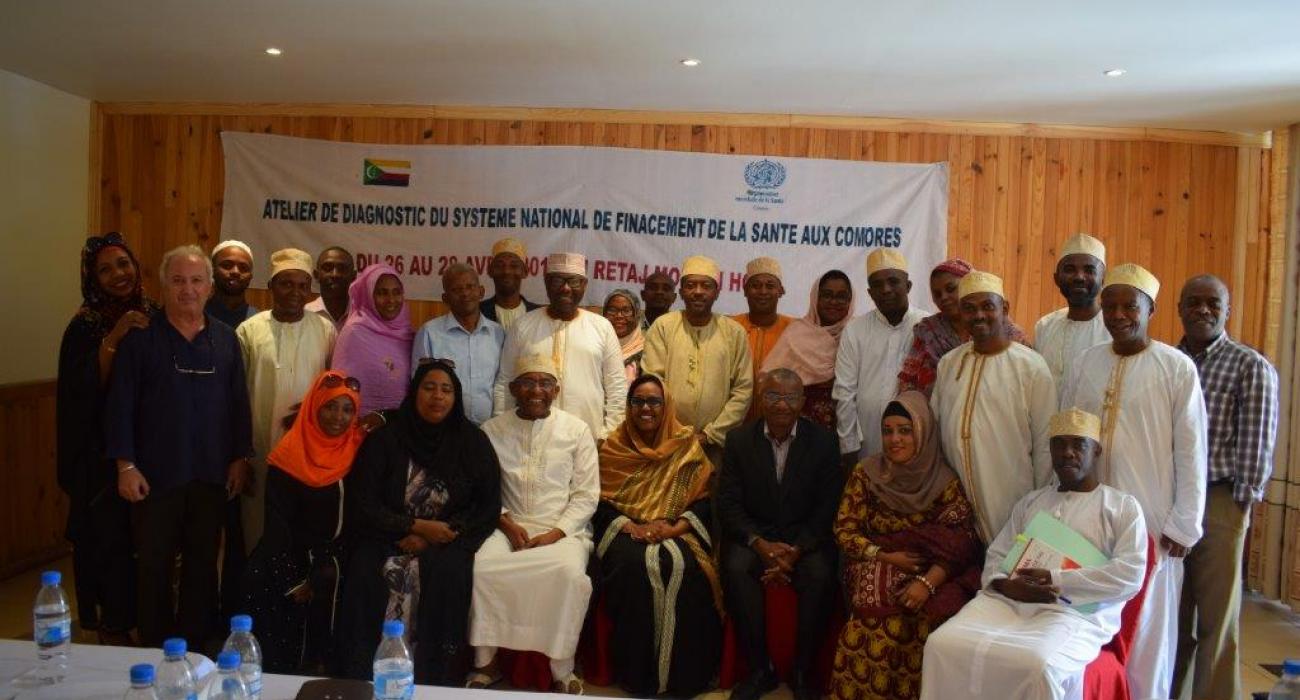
{"points": [[274, 51], [690, 62], [1114, 72]]}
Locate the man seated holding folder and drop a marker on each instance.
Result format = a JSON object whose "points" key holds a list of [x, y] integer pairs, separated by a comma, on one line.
{"points": [[1055, 582]]}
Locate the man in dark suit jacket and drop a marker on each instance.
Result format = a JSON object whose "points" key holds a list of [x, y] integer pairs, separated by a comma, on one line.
{"points": [[777, 496], [508, 269]]}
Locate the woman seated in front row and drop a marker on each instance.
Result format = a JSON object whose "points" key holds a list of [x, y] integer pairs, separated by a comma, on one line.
{"points": [[911, 555], [425, 493], [659, 582], [291, 583]]}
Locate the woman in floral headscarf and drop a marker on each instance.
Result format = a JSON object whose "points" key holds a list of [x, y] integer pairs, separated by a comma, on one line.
{"points": [[113, 304]]}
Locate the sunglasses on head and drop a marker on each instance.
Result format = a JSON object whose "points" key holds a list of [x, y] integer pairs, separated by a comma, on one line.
{"points": [[334, 381]]}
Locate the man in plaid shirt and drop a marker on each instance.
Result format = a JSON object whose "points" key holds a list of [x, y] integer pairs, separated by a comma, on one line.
{"points": [[1241, 402]]}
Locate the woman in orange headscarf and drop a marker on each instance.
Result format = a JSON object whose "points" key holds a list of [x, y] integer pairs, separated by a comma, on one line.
{"points": [[657, 573], [291, 583]]}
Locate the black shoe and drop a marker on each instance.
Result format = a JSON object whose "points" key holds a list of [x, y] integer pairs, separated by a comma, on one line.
{"points": [[803, 687], [756, 685]]}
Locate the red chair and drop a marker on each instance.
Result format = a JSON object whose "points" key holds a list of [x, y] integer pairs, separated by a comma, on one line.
{"points": [[781, 612], [1106, 678]]}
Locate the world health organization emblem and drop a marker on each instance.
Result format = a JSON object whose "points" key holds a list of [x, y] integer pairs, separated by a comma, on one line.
{"points": [[764, 174]]}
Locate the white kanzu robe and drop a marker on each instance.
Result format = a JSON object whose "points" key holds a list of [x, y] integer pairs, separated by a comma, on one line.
{"points": [[1061, 341], [281, 360], [1007, 650], [593, 385], [1154, 447], [536, 599], [866, 376], [993, 412]]}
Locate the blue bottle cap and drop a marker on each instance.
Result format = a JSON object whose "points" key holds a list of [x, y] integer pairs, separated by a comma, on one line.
{"points": [[175, 647], [1291, 667], [393, 628], [228, 660], [241, 623], [51, 578], [141, 674]]}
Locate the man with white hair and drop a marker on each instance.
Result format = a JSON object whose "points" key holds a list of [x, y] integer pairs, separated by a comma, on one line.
{"points": [[583, 347], [284, 349], [1062, 335], [232, 269], [1153, 432], [177, 425]]}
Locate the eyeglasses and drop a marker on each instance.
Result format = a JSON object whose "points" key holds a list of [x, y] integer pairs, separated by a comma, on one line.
{"points": [[436, 361], [787, 399], [639, 401], [556, 281], [530, 384], [334, 381], [212, 353], [624, 313]]}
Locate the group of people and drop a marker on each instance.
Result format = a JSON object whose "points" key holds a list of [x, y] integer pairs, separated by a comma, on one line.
{"points": [[487, 477]]}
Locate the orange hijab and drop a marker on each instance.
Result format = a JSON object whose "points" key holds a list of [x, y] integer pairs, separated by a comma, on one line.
{"points": [[305, 452]]}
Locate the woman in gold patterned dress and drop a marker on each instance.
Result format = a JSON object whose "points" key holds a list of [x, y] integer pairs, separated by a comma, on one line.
{"points": [[910, 551]]}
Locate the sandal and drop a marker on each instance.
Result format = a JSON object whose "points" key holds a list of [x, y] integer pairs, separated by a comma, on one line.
{"points": [[570, 685], [483, 678]]}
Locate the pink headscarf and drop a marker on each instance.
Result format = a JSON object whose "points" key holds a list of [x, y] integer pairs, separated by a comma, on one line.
{"points": [[808, 347], [375, 351]]}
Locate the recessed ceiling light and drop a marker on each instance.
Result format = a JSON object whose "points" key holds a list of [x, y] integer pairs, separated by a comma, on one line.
{"points": [[1114, 72], [274, 51], [690, 62]]}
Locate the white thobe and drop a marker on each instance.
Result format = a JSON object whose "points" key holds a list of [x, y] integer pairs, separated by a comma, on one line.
{"points": [[1154, 447], [866, 376], [993, 412], [588, 357], [281, 360], [536, 599], [1061, 341], [999, 648]]}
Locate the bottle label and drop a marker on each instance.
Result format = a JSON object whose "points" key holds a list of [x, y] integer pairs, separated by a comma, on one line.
{"points": [[394, 687], [252, 675], [51, 633]]}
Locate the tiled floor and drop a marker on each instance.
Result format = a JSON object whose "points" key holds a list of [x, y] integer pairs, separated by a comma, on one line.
{"points": [[1270, 632]]}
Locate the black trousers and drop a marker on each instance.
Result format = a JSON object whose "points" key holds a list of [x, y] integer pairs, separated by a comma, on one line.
{"points": [[233, 562], [103, 564], [814, 584], [187, 521]]}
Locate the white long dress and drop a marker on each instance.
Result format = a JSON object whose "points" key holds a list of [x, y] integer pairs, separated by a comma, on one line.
{"points": [[866, 376], [1061, 341], [993, 412], [1154, 447], [281, 360], [588, 357], [1007, 650], [536, 599]]}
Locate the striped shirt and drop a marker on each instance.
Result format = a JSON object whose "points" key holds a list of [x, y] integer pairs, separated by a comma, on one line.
{"points": [[1241, 403]]}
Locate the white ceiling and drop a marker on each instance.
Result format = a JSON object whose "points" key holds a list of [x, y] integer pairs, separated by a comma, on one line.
{"points": [[1231, 64]]}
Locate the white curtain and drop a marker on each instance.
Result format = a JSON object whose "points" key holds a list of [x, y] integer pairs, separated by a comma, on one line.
{"points": [[1274, 556]]}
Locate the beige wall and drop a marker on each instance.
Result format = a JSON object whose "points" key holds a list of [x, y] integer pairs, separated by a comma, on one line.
{"points": [[44, 166]]}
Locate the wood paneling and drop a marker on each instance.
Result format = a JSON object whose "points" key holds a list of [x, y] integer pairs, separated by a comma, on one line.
{"points": [[1180, 203], [32, 508]]}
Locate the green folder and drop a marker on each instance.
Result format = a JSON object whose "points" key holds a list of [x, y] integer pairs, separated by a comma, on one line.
{"points": [[1063, 539]]}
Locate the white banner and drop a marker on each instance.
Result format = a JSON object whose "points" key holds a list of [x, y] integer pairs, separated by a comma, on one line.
{"points": [[422, 208]]}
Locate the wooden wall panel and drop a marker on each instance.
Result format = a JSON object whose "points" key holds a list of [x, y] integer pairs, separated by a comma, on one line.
{"points": [[1184, 205], [32, 508]]}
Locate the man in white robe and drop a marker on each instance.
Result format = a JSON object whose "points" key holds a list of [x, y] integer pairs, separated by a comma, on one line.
{"points": [[583, 346], [1031, 634], [993, 399], [872, 348], [531, 588], [284, 350], [1154, 446], [1062, 335]]}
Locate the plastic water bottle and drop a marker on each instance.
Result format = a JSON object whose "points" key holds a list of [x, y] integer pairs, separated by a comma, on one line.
{"points": [[141, 683], [51, 628], [394, 669], [241, 639], [175, 675], [229, 684], [1288, 687]]}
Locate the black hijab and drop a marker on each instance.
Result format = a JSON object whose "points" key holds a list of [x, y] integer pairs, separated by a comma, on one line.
{"points": [[420, 438], [98, 308]]}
